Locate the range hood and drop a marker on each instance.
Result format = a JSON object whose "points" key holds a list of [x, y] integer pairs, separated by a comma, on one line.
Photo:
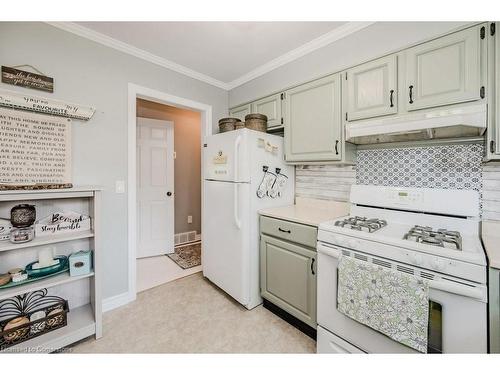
{"points": [[464, 121]]}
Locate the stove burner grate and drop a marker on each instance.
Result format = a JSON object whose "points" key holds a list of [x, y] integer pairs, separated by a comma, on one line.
{"points": [[361, 224], [441, 237]]}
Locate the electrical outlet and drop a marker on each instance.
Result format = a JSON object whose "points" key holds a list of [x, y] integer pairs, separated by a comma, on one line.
{"points": [[190, 219]]}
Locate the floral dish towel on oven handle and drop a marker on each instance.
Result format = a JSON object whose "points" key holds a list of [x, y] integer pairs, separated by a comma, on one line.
{"points": [[391, 302]]}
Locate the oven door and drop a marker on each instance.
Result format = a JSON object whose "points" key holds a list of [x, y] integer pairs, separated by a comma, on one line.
{"points": [[457, 309]]}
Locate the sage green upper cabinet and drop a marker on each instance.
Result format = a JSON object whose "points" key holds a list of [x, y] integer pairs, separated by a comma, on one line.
{"points": [[240, 112], [495, 82], [371, 89], [444, 71], [271, 107], [313, 121]]}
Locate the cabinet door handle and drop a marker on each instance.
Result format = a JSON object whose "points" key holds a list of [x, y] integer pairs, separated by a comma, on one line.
{"points": [[391, 97], [411, 94], [337, 147], [284, 230], [312, 266], [492, 147]]}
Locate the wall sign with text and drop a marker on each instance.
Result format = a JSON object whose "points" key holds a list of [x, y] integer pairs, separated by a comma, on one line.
{"points": [[18, 77], [34, 148], [15, 100]]}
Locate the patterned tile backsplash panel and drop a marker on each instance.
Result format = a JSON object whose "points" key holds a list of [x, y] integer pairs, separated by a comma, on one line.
{"points": [[443, 167], [446, 167]]}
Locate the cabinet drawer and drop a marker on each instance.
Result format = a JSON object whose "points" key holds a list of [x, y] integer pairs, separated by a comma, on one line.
{"points": [[294, 232]]}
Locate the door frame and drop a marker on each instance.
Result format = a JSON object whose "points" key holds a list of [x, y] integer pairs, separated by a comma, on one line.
{"points": [[140, 92]]}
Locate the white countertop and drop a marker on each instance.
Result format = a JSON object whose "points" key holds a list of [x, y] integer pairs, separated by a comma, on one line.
{"points": [[308, 211], [490, 235]]}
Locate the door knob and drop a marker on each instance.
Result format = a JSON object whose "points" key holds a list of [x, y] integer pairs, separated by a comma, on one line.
{"points": [[169, 193]]}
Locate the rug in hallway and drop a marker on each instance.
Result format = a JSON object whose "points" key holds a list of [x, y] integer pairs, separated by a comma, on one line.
{"points": [[187, 256]]}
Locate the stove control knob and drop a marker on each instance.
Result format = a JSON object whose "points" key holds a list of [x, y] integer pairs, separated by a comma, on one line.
{"points": [[416, 259], [353, 244], [439, 264], [339, 241]]}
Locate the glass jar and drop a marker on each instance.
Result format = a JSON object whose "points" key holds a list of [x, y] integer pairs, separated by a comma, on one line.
{"points": [[20, 235]]}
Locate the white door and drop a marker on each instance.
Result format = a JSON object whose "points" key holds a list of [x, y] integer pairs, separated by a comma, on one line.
{"points": [[155, 187], [371, 89]]}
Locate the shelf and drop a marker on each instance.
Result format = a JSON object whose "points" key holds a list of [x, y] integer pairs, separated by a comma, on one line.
{"points": [[40, 241], [75, 192], [81, 324], [43, 283]]}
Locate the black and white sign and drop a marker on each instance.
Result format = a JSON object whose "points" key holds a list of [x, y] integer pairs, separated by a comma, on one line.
{"points": [[34, 148]]}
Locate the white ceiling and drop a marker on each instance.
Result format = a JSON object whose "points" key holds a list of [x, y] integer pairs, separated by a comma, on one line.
{"points": [[226, 54]]}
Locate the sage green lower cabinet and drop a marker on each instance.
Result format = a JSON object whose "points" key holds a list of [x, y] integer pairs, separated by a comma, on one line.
{"points": [[494, 309], [288, 277]]}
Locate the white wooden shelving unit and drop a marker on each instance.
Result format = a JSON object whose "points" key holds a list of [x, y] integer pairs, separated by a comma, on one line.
{"points": [[85, 318]]}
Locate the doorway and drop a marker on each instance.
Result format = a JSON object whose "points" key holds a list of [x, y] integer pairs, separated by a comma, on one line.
{"points": [[159, 260]]}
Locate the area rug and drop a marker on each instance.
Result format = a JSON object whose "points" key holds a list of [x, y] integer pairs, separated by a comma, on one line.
{"points": [[187, 256]]}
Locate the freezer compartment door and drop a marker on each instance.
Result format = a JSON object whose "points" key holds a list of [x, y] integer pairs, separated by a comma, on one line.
{"points": [[226, 157], [225, 255]]}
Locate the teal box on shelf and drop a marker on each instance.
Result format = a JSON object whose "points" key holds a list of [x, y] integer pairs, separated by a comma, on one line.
{"points": [[80, 263]]}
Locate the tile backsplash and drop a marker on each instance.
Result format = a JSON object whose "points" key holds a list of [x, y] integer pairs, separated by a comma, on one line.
{"points": [[445, 167]]}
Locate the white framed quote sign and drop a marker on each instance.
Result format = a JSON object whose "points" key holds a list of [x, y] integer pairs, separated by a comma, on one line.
{"points": [[35, 149]]}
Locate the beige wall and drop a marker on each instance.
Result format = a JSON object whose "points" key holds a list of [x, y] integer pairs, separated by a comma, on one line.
{"points": [[187, 138]]}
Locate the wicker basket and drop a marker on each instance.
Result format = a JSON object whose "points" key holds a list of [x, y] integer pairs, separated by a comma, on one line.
{"points": [[227, 124], [256, 121], [239, 125], [30, 315]]}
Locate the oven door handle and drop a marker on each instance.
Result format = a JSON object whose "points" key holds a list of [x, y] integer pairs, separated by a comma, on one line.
{"points": [[445, 286], [331, 251], [459, 289]]}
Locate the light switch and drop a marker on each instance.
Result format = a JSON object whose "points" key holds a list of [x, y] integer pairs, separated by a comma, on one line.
{"points": [[120, 186], [190, 219]]}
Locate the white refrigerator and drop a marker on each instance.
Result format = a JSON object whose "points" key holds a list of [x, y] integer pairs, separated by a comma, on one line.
{"points": [[234, 164]]}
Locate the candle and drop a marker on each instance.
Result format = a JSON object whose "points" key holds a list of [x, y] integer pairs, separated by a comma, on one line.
{"points": [[45, 257]]}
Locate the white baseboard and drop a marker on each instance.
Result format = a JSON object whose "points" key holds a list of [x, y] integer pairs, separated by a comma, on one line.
{"points": [[113, 302]]}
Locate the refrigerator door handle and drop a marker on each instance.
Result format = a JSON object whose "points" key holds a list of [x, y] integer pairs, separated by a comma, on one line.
{"points": [[237, 220], [237, 143]]}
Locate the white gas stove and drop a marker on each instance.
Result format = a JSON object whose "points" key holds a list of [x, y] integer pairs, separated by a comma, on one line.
{"points": [[431, 233]]}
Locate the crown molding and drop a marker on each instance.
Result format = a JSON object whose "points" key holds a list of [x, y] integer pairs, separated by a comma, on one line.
{"points": [[137, 52], [322, 41]]}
